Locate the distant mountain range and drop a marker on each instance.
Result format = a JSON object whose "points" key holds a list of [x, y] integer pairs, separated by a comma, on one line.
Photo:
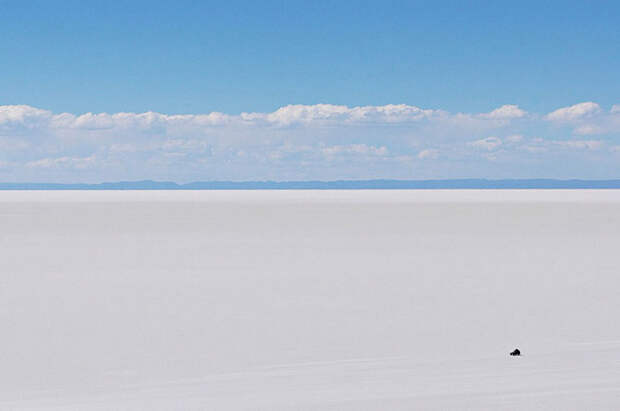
{"points": [[327, 185]]}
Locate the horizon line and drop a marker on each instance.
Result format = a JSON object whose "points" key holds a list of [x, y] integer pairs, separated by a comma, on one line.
{"points": [[344, 184]]}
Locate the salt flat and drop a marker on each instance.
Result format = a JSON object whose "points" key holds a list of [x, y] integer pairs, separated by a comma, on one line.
{"points": [[309, 300]]}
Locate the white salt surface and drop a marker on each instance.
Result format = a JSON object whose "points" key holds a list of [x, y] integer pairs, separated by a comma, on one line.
{"points": [[309, 300]]}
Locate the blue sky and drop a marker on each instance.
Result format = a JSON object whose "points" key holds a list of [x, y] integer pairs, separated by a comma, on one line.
{"points": [[456, 62]]}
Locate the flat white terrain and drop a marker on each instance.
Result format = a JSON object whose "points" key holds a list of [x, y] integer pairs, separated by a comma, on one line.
{"points": [[309, 300]]}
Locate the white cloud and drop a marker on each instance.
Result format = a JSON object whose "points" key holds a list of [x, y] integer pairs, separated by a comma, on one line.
{"points": [[13, 144], [284, 116], [580, 144], [589, 129], [296, 141], [362, 149], [575, 112], [489, 143], [539, 145], [533, 148], [22, 115], [194, 145], [123, 148], [5, 165], [508, 111], [430, 154], [143, 121], [588, 118], [515, 138], [63, 162], [303, 114]]}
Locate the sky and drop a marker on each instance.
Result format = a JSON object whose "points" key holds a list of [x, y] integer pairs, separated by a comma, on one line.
{"points": [[291, 90]]}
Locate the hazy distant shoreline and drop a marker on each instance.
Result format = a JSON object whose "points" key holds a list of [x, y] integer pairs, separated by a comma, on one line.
{"points": [[326, 185]]}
